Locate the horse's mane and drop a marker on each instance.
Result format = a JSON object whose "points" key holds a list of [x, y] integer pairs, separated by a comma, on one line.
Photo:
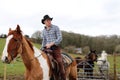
{"points": [[30, 44]]}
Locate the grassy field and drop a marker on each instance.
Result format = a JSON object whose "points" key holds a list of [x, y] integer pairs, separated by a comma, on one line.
{"points": [[17, 68]]}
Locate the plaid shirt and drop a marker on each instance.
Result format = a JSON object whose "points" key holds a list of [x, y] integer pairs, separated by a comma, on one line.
{"points": [[51, 35]]}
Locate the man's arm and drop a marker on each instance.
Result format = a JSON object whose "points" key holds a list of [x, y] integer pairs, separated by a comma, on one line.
{"points": [[58, 35]]}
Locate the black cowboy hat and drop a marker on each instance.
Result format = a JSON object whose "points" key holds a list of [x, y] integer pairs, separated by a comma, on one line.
{"points": [[45, 18]]}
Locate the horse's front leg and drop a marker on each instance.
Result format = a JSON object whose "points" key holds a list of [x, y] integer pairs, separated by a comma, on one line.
{"points": [[26, 76], [91, 74]]}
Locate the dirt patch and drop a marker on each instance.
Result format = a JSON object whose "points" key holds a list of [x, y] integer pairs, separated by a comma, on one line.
{"points": [[13, 77], [21, 77]]}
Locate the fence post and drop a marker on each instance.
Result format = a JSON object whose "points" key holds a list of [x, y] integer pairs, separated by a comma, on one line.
{"points": [[4, 71], [115, 73]]}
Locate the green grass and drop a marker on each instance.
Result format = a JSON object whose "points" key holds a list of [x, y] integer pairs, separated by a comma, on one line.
{"points": [[16, 68], [111, 60]]}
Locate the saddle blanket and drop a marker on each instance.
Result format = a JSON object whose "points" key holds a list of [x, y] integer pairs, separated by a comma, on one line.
{"points": [[67, 60]]}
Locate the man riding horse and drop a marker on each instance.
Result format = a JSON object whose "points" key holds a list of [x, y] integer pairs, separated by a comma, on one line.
{"points": [[52, 37]]}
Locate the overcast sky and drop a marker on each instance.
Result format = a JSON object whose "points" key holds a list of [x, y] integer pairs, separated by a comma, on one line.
{"points": [[88, 17]]}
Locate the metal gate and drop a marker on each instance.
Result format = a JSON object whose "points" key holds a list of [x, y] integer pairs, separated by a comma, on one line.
{"points": [[96, 73]]}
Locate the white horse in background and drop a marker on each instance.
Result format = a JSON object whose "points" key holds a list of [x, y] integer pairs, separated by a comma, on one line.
{"points": [[103, 64]]}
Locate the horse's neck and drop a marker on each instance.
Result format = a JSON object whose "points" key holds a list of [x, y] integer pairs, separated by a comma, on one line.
{"points": [[27, 54], [104, 57], [90, 61]]}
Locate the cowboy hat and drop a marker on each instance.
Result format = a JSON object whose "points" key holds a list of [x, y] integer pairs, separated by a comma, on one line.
{"points": [[45, 18]]}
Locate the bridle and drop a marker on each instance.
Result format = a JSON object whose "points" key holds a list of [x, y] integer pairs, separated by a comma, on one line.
{"points": [[12, 53], [35, 57]]}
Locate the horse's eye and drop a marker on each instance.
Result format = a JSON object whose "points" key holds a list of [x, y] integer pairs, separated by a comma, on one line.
{"points": [[15, 39]]}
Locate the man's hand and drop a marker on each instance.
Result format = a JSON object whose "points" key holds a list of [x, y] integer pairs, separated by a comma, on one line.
{"points": [[49, 45]]}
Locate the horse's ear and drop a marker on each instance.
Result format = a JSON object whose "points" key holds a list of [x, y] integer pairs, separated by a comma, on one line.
{"points": [[18, 29], [91, 50], [9, 29], [94, 51]]}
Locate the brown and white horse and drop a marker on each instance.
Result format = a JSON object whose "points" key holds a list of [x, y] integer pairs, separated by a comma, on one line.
{"points": [[36, 62]]}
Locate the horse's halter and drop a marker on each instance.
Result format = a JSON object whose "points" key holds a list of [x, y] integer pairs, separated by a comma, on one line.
{"points": [[95, 55], [88, 56]]}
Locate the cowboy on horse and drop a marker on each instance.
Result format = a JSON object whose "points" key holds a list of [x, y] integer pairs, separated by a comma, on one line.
{"points": [[52, 37]]}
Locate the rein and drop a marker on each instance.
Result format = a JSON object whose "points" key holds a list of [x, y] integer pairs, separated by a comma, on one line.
{"points": [[36, 57], [31, 59]]}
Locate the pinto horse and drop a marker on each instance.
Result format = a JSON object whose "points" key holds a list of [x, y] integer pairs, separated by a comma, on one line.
{"points": [[87, 63], [36, 62]]}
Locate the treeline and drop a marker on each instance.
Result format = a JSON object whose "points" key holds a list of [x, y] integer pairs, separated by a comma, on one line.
{"points": [[72, 41], [109, 43]]}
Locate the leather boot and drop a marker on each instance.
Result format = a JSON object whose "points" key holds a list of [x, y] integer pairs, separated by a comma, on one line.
{"points": [[62, 71]]}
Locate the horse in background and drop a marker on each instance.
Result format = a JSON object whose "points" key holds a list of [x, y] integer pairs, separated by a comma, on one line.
{"points": [[36, 62], [87, 63], [103, 64]]}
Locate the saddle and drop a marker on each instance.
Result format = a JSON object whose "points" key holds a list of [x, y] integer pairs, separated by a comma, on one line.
{"points": [[66, 59]]}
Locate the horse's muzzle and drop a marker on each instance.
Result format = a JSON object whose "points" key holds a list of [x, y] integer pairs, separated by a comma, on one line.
{"points": [[6, 60]]}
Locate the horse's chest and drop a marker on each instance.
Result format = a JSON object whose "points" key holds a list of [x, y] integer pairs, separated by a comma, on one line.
{"points": [[43, 64]]}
